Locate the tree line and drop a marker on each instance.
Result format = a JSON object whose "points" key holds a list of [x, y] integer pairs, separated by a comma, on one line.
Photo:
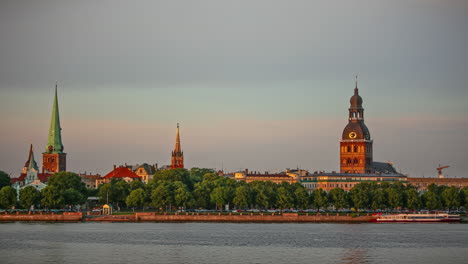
{"points": [[203, 188]]}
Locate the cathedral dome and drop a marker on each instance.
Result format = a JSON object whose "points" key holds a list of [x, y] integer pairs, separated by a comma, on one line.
{"points": [[355, 131], [356, 100]]}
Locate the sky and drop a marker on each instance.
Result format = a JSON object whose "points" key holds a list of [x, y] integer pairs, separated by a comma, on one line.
{"points": [[256, 84]]}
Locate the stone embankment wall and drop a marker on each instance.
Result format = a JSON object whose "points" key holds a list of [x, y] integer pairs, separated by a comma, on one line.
{"points": [[250, 218], [48, 217]]}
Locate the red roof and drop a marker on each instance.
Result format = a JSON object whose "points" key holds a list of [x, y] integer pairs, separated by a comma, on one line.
{"points": [[43, 177], [121, 172]]}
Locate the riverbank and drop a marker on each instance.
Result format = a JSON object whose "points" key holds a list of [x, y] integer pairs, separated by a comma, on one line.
{"points": [[192, 217], [188, 217], [42, 217]]}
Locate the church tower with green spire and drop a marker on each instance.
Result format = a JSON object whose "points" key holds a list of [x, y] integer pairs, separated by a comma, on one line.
{"points": [[54, 159]]}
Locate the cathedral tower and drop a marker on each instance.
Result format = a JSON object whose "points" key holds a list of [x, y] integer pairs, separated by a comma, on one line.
{"points": [[54, 159], [177, 160], [356, 143]]}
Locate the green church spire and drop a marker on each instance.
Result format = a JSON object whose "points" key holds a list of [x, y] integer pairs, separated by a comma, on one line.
{"points": [[54, 144]]}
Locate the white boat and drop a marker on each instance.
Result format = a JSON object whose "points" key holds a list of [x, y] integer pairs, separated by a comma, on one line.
{"points": [[415, 218]]}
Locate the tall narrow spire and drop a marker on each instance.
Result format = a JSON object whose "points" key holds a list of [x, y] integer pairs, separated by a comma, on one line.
{"points": [[29, 157], [32, 162], [177, 140], [177, 159], [54, 144], [356, 90]]}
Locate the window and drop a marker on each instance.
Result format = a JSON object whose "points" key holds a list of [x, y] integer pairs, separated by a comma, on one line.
{"points": [[348, 148], [355, 148]]}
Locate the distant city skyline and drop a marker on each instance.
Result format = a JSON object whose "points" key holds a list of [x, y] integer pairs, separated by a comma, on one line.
{"points": [[261, 85]]}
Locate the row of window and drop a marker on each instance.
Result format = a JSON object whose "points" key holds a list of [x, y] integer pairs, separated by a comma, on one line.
{"points": [[354, 148], [331, 185]]}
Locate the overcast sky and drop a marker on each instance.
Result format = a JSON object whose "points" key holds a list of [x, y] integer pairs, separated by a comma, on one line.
{"points": [[263, 85]]}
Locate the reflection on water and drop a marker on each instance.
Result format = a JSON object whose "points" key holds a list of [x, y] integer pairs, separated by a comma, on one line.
{"points": [[232, 243], [354, 256]]}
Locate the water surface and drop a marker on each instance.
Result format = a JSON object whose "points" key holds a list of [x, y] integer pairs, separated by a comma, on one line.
{"points": [[232, 243]]}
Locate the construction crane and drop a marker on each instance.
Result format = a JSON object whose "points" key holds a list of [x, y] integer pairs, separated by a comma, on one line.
{"points": [[439, 170]]}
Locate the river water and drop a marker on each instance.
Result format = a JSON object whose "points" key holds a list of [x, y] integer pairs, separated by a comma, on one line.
{"points": [[232, 243]]}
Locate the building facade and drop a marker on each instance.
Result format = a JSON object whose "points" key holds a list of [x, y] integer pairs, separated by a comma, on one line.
{"points": [[421, 184], [121, 172], [276, 178], [145, 171], [346, 181]]}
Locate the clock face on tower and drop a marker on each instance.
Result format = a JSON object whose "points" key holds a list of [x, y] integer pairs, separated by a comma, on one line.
{"points": [[352, 135]]}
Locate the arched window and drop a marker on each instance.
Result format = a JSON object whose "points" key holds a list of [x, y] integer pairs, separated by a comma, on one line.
{"points": [[355, 161], [349, 148], [355, 148], [349, 161]]}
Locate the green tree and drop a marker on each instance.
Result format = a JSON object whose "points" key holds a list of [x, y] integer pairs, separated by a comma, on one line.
{"points": [[67, 180], [196, 174], [105, 193], [464, 197], [73, 197], [338, 198], [202, 194], [120, 191], [320, 199], [29, 196], [302, 198], [136, 198], [394, 198], [135, 185], [219, 196], [242, 197], [174, 175], [360, 196], [117, 191], [7, 197], [52, 197], [163, 195], [182, 196], [413, 199], [451, 197], [284, 198], [378, 199], [431, 200], [4, 179]]}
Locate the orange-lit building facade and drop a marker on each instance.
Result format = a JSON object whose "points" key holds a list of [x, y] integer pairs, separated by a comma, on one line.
{"points": [[275, 178]]}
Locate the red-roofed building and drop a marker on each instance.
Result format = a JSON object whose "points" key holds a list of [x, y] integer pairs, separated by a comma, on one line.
{"points": [[119, 173], [43, 177]]}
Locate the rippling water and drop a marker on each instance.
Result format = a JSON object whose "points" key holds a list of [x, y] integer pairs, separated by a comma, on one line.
{"points": [[232, 243]]}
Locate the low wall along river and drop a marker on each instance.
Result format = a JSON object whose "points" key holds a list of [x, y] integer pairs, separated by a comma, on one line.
{"points": [[187, 217]]}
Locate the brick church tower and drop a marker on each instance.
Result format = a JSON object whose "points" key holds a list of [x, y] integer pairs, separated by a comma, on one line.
{"points": [[356, 143], [54, 159], [177, 160]]}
